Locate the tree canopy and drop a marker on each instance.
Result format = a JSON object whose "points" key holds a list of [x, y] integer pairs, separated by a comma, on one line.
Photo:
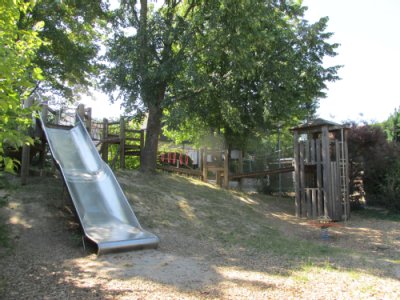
{"points": [[227, 65], [392, 126], [71, 33], [256, 63]]}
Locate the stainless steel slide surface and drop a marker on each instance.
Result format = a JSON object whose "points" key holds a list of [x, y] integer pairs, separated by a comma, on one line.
{"points": [[105, 214]]}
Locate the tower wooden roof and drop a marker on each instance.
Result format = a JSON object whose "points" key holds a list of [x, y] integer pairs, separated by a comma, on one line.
{"points": [[317, 124]]}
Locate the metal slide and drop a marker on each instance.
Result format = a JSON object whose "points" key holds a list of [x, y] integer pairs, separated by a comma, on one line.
{"points": [[104, 212]]}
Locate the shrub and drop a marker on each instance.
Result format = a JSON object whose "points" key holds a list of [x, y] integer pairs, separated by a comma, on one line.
{"points": [[379, 160]]}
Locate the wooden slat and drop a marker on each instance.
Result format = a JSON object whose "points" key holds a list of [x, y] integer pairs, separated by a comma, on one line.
{"points": [[326, 168], [319, 177], [314, 203], [133, 131], [312, 151], [308, 193], [122, 145], [296, 173], [307, 151], [338, 200], [205, 164], [346, 162], [333, 184], [104, 146], [303, 207], [226, 169]]}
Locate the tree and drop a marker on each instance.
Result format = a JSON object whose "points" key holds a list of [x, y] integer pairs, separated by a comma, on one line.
{"points": [[228, 65], [258, 64], [71, 34], [392, 127], [145, 62], [18, 75]]}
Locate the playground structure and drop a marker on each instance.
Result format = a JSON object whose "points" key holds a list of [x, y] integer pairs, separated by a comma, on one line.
{"points": [[127, 142], [320, 163], [215, 161], [106, 217], [321, 170]]}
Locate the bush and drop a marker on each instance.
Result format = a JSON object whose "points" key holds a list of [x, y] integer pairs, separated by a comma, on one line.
{"points": [[379, 160]]}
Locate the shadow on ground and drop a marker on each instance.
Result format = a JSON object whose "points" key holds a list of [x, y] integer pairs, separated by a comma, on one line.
{"points": [[212, 241]]}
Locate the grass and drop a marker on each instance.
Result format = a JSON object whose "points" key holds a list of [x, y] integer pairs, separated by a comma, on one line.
{"points": [[238, 226], [380, 214], [233, 219]]}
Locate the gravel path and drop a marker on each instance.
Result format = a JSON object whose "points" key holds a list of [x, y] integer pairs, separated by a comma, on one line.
{"points": [[47, 261]]}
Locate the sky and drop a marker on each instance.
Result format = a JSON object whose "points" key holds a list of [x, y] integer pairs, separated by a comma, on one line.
{"points": [[368, 32]]}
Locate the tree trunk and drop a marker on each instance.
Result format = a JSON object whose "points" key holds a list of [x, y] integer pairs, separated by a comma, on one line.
{"points": [[148, 157]]}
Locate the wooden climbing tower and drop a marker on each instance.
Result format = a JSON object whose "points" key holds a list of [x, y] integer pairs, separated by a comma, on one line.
{"points": [[321, 170]]}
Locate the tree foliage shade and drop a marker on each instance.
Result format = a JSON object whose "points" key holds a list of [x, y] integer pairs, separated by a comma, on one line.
{"points": [[18, 75]]}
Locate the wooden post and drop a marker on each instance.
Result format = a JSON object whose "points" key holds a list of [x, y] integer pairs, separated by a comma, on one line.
{"points": [[226, 169], [240, 169], [141, 141], [314, 203], [104, 149], [319, 177], [122, 142], [205, 168], [81, 111], [346, 173], [89, 120], [297, 173], [303, 204], [25, 151], [326, 171], [338, 187], [40, 133]]}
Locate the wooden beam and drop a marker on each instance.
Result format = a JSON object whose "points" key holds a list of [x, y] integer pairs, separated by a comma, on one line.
{"points": [[81, 112], [205, 164], [122, 146], [296, 173], [226, 169], [25, 151], [104, 146], [326, 173]]}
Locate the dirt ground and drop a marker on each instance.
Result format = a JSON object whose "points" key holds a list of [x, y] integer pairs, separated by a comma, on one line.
{"points": [[46, 260]]}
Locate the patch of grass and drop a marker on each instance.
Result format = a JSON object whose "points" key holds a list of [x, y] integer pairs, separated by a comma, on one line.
{"points": [[380, 214], [271, 240], [232, 218]]}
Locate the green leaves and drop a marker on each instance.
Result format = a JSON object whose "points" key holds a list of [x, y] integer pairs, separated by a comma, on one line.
{"points": [[71, 32], [37, 74], [256, 62], [221, 65], [17, 76]]}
